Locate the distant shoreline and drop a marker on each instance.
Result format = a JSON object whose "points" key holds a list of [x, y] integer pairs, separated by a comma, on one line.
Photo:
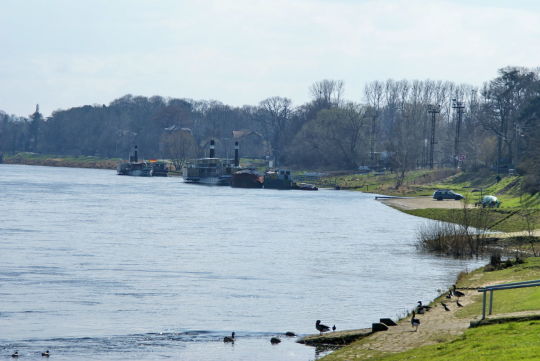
{"points": [[55, 161]]}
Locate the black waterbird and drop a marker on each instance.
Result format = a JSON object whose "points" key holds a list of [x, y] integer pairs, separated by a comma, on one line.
{"points": [[457, 293], [45, 354], [320, 327], [229, 339], [275, 340], [414, 321], [445, 306]]}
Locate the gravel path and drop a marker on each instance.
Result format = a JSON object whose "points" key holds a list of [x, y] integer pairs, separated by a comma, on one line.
{"points": [[421, 202]]}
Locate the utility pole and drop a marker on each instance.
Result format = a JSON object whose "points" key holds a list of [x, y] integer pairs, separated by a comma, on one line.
{"points": [[433, 110], [460, 107]]}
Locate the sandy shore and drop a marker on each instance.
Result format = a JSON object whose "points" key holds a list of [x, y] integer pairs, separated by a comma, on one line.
{"points": [[421, 202]]}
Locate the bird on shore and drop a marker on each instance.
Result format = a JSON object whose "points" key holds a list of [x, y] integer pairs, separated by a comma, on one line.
{"points": [[449, 295], [445, 306], [457, 293], [334, 328], [458, 304], [229, 339], [320, 327], [45, 354], [15, 354], [275, 340], [415, 322], [420, 309]]}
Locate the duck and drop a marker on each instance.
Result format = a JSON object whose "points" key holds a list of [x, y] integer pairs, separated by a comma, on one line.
{"points": [[15, 354], [320, 327], [45, 354], [457, 293], [275, 340], [445, 306], [458, 304], [334, 328], [229, 339], [415, 322]]}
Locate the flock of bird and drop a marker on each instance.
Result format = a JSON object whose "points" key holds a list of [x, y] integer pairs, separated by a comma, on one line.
{"points": [[421, 309], [43, 354], [275, 340]]}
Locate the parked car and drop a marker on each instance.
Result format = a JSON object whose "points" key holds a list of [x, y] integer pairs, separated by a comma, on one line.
{"points": [[446, 194], [490, 202]]}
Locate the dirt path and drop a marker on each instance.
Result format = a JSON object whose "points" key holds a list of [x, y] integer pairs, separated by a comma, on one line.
{"points": [[421, 202], [436, 325]]}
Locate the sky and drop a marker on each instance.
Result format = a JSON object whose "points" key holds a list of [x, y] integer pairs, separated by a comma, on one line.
{"points": [[65, 53]]}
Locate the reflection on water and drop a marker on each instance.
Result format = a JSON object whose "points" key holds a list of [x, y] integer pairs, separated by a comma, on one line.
{"points": [[99, 266]]}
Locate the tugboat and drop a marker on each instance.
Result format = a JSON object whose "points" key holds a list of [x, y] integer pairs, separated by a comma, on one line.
{"points": [[283, 179], [134, 167], [211, 170], [278, 179], [159, 168]]}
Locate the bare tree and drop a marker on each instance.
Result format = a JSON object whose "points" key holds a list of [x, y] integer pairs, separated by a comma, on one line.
{"points": [[276, 117], [328, 93]]}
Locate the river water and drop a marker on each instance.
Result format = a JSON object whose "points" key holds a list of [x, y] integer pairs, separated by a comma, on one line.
{"points": [[96, 266]]}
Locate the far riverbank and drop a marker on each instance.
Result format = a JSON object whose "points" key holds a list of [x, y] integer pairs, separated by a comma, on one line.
{"points": [[28, 158]]}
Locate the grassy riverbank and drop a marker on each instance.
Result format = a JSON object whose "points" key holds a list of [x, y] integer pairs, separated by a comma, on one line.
{"points": [[515, 336], [519, 211], [61, 161]]}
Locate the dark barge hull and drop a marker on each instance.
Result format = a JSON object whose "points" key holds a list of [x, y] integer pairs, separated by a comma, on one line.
{"points": [[246, 180]]}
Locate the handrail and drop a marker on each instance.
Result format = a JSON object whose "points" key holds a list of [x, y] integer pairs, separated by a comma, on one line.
{"points": [[504, 286], [508, 284]]}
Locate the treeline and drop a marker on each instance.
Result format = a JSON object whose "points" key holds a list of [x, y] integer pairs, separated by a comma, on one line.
{"points": [[495, 126]]}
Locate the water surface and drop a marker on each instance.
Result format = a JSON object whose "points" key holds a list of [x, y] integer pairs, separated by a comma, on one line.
{"points": [[106, 267]]}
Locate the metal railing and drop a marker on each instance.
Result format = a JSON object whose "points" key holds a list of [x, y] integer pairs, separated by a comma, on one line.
{"points": [[501, 287]]}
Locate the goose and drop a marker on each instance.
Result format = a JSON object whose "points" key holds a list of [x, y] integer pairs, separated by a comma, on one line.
{"points": [[458, 304], [45, 354], [449, 295], [15, 354], [275, 340], [445, 306], [420, 309], [334, 328], [320, 327], [457, 293], [414, 321], [229, 339]]}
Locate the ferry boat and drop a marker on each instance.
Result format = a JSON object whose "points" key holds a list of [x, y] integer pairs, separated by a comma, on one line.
{"points": [[134, 167], [211, 170]]}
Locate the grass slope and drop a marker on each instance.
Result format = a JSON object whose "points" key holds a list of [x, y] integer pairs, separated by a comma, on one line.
{"points": [[509, 341]]}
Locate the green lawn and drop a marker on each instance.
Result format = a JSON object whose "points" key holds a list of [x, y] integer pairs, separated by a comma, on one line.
{"points": [[509, 341]]}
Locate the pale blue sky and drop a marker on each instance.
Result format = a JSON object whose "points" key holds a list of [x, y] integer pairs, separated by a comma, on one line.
{"points": [[64, 53]]}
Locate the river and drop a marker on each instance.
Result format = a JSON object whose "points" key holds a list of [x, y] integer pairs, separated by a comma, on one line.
{"points": [[96, 266]]}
